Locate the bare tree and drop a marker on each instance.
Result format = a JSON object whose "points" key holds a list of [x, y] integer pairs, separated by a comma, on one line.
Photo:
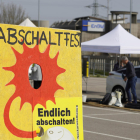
{"points": [[11, 14]]}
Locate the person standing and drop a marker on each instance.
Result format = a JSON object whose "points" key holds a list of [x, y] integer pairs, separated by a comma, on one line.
{"points": [[131, 80], [117, 66]]}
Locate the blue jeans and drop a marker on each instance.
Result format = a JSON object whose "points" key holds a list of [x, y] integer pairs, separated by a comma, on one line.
{"points": [[131, 83]]}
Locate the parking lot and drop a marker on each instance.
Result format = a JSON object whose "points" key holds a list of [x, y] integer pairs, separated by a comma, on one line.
{"points": [[96, 87], [110, 124], [107, 123]]}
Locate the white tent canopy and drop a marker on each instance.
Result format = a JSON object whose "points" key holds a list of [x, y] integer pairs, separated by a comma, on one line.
{"points": [[117, 41], [27, 23]]}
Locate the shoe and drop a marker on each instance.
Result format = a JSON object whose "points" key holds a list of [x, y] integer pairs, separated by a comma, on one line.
{"points": [[134, 102]]}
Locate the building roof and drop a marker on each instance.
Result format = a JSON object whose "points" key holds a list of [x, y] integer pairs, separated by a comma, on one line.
{"points": [[90, 17], [123, 12]]}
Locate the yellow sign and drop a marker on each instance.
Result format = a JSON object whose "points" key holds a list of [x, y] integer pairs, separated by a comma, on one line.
{"points": [[54, 110]]}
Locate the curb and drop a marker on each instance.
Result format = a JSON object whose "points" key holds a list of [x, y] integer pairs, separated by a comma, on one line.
{"points": [[95, 104]]}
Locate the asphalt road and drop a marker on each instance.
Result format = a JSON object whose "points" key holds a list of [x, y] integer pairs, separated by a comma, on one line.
{"points": [[96, 87], [110, 124], [107, 123]]}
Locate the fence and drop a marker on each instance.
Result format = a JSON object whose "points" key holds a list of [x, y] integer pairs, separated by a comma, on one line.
{"points": [[101, 65]]}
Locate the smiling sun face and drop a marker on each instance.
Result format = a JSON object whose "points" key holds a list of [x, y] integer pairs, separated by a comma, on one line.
{"points": [[50, 71]]}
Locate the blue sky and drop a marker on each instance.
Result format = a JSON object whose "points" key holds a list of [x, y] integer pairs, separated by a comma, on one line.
{"points": [[57, 10]]}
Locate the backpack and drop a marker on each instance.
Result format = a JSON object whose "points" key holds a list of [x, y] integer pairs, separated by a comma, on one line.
{"points": [[107, 98]]}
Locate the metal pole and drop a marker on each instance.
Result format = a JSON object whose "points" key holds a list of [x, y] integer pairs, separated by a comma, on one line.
{"points": [[104, 68], [93, 69], [130, 19], [119, 61], [87, 69], [86, 83], [38, 13], [108, 9], [130, 14], [123, 18], [93, 10]]}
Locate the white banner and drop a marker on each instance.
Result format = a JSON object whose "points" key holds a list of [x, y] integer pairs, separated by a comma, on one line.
{"points": [[96, 26]]}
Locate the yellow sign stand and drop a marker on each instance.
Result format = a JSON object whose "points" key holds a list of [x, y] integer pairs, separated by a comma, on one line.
{"points": [[54, 110]]}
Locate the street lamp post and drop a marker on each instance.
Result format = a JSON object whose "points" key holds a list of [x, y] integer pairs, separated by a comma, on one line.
{"points": [[38, 13], [130, 14], [130, 18]]}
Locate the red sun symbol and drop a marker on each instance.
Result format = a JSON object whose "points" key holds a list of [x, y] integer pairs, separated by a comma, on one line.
{"points": [[50, 70]]}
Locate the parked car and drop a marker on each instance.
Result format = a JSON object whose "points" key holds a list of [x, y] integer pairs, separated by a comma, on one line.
{"points": [[115, 82]]}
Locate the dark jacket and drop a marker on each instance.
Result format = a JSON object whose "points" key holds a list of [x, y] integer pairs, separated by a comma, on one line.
{"points": [[130, 70], [116, 67]]}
